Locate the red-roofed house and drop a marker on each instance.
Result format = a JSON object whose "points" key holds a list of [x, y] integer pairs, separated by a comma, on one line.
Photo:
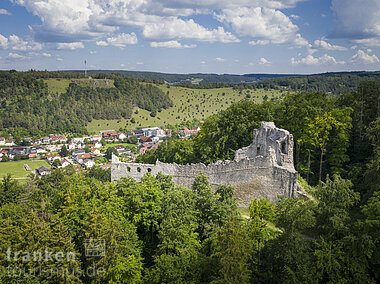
{"points": [[107, 134], [51, 158]]}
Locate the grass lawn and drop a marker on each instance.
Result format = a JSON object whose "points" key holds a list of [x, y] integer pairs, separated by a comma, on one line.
{"points": [[109, 145], [17, 170], [187, 104]]}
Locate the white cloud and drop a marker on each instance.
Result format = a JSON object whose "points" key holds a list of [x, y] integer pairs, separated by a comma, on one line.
{"points": [[92, 51], [311, 60], [203, 62], [362, 57], [264, 23], [186, 29], [120, 40], [159, 20], [295, 17], [354, 47], [4, 12], [16, 43], [368, 41], [70, 45], [321, 44], [59, 59], [3, 42], [369, 50], [171, 44], [220, 59], [46, 54], [356, 19], [259, 42], [16, 56], [263, 61], [139, 63]]}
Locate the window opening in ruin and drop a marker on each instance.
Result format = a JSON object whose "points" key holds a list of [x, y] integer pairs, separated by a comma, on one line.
{"points": [[258, 151], [129, 169], [139, 169], [149, 170], [284, 148]]}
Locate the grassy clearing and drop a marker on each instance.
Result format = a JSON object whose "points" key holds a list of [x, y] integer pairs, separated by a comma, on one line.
{"points": [[60, 85], [187, 104], [17, 170], [127, 145]]}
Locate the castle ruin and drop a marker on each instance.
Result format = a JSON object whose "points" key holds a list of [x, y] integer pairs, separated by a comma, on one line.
{"points": [[263, 169]]}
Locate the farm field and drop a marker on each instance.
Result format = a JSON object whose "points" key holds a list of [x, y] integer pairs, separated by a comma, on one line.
{"points": [[187, 105], [17, 170]]}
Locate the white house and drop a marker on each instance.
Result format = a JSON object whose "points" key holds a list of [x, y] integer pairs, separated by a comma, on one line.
{"points": [[88, 163], [96, 137], [64, 163], [121, 136], [98, 145], [9, 142], [2, 141]]}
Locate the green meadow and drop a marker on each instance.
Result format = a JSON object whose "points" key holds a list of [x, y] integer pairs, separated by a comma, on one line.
{"points": [[17, 170], [187, 105]]}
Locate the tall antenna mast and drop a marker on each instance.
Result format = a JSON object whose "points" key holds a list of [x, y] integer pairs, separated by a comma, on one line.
{"points": [[85, 68]]}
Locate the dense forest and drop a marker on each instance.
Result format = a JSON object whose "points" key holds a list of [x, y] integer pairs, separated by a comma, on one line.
{"points": [[333, 83], [173, 78], [28, 108]]}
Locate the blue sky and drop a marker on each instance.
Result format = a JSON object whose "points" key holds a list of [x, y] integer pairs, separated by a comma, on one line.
{"points": [[189, 36]]}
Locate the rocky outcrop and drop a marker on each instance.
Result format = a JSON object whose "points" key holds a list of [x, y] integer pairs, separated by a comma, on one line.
{"points": [[263, 169]]}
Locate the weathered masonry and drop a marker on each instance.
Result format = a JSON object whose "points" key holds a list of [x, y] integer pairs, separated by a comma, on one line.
{"points": [[263, 169]]}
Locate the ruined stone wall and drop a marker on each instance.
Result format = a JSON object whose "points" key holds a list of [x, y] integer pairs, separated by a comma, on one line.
{"points": [[263, 169]]}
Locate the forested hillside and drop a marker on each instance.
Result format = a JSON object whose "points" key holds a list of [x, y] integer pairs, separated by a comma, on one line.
{"points": [[29, 108], [333, 83], [188, 78]]}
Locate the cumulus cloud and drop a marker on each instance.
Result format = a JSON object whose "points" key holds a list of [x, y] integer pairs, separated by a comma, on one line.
{"points": [[70, 45], [171, 44], [72, 20], [220, 59], [363, 57], [259, 42], [186, 29], [59, 59], [295, 17], [92, 51], [263, 61], [356, 19], [16, 43], [5, 12], [321, 44], [311, 60], [120, 40], [3, 42], [368, 41], [46, 54], [264, 23], [16, 56]]}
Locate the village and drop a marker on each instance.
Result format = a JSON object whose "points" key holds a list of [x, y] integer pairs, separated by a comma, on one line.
{"points": [[85, 152]]}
